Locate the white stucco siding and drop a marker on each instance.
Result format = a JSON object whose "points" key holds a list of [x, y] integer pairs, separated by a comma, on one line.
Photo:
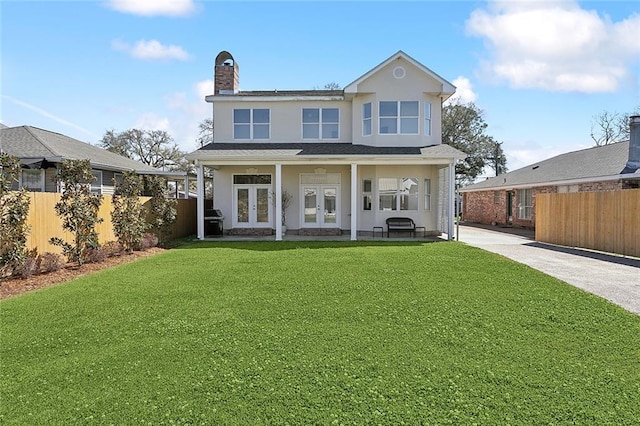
{"points": [[285, 120]]}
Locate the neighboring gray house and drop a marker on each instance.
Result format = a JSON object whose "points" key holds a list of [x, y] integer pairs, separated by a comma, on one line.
{"points": [[510, 198], [41, 151]]}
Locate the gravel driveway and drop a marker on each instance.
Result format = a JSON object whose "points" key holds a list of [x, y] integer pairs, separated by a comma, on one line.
{"points": [[612, 277]]}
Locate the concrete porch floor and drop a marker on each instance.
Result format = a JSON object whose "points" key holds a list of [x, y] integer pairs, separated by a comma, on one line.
{"points": [[345, 238]]}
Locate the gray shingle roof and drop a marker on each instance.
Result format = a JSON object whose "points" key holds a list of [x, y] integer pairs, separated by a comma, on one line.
{"points": [[597, 163], [266, 149], [32, 142]]}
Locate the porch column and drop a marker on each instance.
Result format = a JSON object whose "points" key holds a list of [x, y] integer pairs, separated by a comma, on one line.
{"points": [[186, 186], [354, 202], [278, 217], [452, 194], [200, 201]]}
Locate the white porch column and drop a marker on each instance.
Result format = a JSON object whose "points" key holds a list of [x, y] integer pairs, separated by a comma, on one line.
{"points": [[278, 217], [452, 194], [354, 201], [186, 186], [200, 202]]}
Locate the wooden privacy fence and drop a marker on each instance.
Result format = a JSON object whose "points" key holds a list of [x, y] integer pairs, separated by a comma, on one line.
{"points": [[45, 223], [605, 221]]}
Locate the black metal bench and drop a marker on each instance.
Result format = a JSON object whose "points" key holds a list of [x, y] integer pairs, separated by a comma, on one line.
{"points": [[401, 224]]}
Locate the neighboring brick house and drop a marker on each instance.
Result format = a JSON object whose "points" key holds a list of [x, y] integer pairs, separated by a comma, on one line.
{"points": [[348, 158], [509, 199], [41, 152]]}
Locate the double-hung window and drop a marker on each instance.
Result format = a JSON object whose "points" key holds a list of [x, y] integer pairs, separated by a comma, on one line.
{"points": [[399, 117], [525, 203], [398, 194], [320, 123], [251, 123], [366, 119]]}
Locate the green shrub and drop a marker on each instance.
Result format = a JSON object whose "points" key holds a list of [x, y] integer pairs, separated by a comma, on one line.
{"points": [[14, 208], [128, 221], [78, 209]]}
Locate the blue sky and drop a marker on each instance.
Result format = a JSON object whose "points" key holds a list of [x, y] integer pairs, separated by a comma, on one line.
{"points": [[539, 70]]}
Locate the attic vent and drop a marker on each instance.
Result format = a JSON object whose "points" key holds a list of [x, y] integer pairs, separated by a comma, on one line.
{"points": [[399, 72], [535, 167]]}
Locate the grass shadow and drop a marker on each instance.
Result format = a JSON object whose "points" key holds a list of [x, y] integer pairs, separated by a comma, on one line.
{"points": [[605, 257], [295, 245]]}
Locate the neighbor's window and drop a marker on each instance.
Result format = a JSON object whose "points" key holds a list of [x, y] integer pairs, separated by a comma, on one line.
{"points": [[366, 194], [496, 197], [32, 179], [251, 123], [366, 119], [320, 123], [398, 194], [96, 184], [427, 194], [399, 117], [427, 118], [525, 203]]}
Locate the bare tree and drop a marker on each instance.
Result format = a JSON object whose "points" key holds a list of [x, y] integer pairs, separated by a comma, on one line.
{"points": [[611, 127], [205, 132], [332, 86]]}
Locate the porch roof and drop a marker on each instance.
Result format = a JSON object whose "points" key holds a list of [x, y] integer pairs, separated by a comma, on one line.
{"points": [[283, 151]]}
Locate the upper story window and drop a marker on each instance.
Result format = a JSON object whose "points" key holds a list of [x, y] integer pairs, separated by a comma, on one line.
{"points": [[320, 123], [399, 117], [366, 119], [251, 123], [427, 118]]}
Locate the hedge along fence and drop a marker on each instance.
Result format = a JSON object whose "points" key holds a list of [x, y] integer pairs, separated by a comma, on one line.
{"points": [[44, 222], [607, 221]]}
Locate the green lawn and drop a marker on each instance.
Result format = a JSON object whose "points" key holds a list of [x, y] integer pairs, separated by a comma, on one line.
{"points": [[321, 333]]}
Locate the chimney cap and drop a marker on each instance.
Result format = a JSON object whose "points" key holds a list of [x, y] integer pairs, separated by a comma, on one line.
{"points": [[634, 118]]}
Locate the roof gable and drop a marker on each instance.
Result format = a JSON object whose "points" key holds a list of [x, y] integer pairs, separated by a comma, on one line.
{"points": [[446, 89]]}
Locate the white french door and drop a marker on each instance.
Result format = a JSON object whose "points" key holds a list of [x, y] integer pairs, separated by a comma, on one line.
{"points": [[251, 206], [320, 206]]}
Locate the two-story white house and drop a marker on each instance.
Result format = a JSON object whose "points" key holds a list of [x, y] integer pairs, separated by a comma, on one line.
{"points": [[349, 159]]}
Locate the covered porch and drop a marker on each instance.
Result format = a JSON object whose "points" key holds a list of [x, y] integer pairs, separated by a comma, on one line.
{"points": [[288, 196]]}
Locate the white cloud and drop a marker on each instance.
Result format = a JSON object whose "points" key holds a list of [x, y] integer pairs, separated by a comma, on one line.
{"points": [[523, 155], [153, 7], [464, 92], [151, 121], [556, 45], [151, 50]]}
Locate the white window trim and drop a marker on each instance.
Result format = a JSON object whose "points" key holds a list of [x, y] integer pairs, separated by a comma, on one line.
{"points": [[319, 123], [370, 118], [398, 194], [427, 194], [398, 120], [427, 119], [367, 193], [250, 124], [525, 212], [42, 173]]}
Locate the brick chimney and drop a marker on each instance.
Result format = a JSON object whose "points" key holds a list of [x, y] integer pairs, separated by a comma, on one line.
{"points": [[226, 74], [633, 164]]}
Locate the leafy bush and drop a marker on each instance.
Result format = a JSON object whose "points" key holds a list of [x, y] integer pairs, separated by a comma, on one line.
{"points": [[78, 209], [14, 208], [128, 221], [163, 208], [95, 255], [149, 240], [29, 266], [51, 262], [112, 248]]}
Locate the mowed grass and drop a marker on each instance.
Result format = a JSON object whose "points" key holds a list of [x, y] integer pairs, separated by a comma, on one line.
{"points": [[318, 333]]}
